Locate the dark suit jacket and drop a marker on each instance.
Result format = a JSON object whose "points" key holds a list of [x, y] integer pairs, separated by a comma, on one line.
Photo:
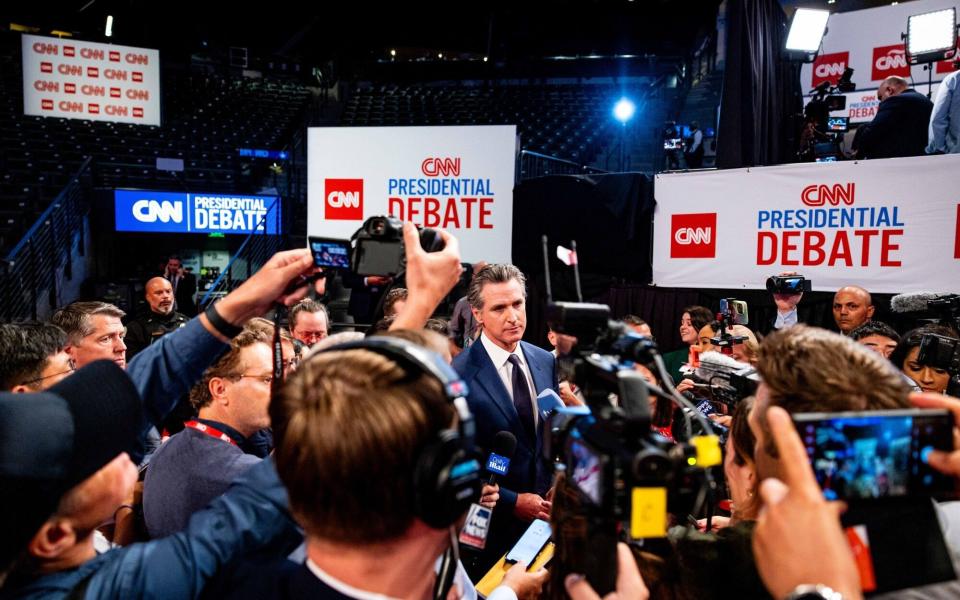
{"points": [[186, 290], [898, 129], [493, 411]]}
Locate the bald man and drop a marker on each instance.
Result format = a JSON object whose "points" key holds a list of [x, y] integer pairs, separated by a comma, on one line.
{"points": [[158, 321], [852, 307], [900, 125]]}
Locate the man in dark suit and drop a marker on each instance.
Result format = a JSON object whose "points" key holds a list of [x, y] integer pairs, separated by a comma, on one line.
{"points": [[505, 375], [184, 286], [900, 126]]}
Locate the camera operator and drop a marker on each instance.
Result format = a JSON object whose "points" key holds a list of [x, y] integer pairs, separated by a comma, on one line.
{"points": [[900, 125]]}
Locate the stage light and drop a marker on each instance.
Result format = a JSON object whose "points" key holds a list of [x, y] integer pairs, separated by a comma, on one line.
{"points": [[108, 30], [931, 36], [623, 110], [393, 52], [806, 29]]}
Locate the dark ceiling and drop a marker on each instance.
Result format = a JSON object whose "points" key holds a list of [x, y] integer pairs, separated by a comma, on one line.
{"points": [[358, 31]]}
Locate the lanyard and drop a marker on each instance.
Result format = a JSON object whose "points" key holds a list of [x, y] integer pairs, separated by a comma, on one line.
{"points": [[211, 431]]}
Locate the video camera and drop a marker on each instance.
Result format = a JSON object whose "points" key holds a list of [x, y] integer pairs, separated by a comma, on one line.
{"points": [[788, 284], [940, 352], [727, 381], [627, 474], [376, 248]]}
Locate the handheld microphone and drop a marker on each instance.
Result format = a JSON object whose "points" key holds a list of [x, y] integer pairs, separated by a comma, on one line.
{"points": [[498, 463]]}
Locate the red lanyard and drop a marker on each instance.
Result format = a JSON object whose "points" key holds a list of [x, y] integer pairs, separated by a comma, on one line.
{"points": [[211, 431]]}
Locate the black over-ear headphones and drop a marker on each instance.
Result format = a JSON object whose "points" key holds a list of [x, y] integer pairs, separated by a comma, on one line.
{"points": [[446, 477]]}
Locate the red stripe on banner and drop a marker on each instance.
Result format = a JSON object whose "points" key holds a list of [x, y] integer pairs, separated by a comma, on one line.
{"points": [[46, 104], [137, 76], [93, 72], [138, 112], [94, 109], [114, 56], [46, 67], [956, 244], [114, 92], [69, 51], [70, 88]]}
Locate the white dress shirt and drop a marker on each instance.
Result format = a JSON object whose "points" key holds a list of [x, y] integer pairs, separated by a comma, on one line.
{"points": [[501, 362]]}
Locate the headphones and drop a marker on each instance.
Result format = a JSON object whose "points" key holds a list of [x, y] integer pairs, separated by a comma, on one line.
{"points": [[446, 476]]}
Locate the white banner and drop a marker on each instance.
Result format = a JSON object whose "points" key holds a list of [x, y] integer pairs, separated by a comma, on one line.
{"points": [[890, 225], [454, 178], [869, 42], [85, 80]]}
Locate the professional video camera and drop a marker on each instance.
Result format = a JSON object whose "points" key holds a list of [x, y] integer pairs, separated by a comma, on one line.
{"points": [[824, 143], [943, 309], [940, 352], [626, 472], [724, 380], [375, 249]]}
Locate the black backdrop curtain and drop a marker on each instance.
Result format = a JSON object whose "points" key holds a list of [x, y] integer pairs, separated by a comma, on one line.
{"points": [[761, 89]]}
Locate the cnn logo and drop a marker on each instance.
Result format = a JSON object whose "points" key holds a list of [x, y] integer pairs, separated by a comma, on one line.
{"points": [[829, 67], [693, 236], [151, 211], [343, 199]]}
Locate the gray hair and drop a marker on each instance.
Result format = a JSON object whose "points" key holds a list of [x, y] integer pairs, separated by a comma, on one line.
{"points": [[74, 318], [499, 273]]}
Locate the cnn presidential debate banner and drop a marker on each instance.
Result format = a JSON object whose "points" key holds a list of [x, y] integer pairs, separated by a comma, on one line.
{"points": [[890, 225], [454, 178], [85, 80]]}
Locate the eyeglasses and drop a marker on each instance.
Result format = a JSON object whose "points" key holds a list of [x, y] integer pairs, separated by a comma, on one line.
{"points": [[263, 378], [71, 367]]}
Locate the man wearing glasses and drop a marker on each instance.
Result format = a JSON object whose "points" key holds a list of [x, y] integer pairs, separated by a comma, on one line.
{"points": [[198, 464], [34, 356]]}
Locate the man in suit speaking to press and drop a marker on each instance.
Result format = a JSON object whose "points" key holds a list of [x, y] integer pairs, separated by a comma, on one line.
{"points": [[505, 375]]}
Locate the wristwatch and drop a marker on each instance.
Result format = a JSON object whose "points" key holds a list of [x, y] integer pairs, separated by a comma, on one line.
{"points": [[809, 591]]}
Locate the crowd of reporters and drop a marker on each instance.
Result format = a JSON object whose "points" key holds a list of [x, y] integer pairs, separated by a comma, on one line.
{"points": [[185, 466]]}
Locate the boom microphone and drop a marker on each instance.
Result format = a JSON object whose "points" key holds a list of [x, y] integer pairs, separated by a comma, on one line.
{"points": [[498, 463], [913, 302]]}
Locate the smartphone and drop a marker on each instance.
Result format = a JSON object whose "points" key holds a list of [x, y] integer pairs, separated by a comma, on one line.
{"points": [[331, 253], [736, 310], [530, 543], [877, 454]]}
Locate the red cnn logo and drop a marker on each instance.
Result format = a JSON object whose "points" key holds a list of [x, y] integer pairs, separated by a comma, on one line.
{"points": [[136, 76], [138, 112], [829, 67], [889, 61], [114, 56], [70, 88], [46, 104], [432, 167], [693, 236], [46, 67], [820, 194], [343, 199], [69, 51]]}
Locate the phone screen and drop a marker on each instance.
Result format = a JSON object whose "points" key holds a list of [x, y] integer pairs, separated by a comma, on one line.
{"points": [[530, 543], [330, 253], [587, 473], [877, 454]]}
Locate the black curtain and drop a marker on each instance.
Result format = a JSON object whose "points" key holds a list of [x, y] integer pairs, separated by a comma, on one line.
{"points": [[761, 89]]}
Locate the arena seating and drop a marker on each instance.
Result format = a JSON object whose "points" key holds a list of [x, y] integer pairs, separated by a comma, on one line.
{"points": [[567, 121], [206, 118]]}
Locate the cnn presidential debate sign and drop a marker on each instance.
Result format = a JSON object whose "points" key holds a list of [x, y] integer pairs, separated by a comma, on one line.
{"points": [[85, 80], [454, 178], [869, 42], [176, 212], [891, 225]]}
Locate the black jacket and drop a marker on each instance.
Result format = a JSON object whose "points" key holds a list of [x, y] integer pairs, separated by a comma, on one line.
{"points": [[898, 129]]}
